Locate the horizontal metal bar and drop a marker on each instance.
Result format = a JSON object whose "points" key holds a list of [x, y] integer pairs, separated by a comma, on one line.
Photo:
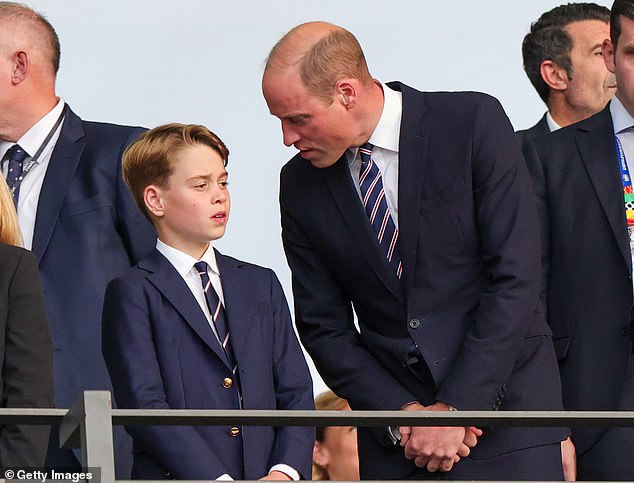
{"points": [[203, 417], [32, 416]]}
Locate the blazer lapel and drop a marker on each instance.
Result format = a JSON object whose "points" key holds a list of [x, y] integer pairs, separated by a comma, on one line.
{"points": [[239, 303], [61, 169], [168, 281], [595, 139], [343, 190], [413, 146]]}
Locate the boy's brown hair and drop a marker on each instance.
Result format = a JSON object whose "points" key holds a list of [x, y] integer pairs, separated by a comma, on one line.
{"points": [[150, 159]]}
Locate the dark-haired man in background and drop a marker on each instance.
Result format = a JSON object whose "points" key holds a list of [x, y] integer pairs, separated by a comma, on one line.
{"points": [[582, 178], [562, 59]]}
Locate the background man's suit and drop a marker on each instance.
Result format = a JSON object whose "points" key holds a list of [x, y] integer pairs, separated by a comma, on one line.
{"points": [[537, 130], [162, 353], [26, 356], [587, 266], [87, 231], [469, 291]]}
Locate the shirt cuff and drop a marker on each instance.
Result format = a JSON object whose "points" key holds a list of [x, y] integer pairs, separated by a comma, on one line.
{"points": [[291, 472], [224, 477]]}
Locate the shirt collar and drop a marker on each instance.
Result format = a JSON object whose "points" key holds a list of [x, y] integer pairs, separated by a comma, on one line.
{"points": [[34, 137], [621, 119], [552, 124], [387, 132], [183, 263]]}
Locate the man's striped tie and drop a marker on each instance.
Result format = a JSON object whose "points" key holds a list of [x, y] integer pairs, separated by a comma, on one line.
{"points": [[16, 156], [375, 204], [217, 314]]}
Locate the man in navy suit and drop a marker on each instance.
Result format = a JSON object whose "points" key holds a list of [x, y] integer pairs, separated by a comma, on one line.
{"points": [[562, 59], [74, 210], [581, 176], [448, 308], [169, 342]]}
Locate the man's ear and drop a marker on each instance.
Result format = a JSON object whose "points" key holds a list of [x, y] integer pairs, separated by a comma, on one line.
{"points": [[21, 67], [607, 49], [554, 75], [346, 92], [321, 455], [153, 200]]}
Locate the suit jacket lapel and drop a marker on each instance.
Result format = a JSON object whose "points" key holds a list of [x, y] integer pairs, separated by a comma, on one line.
{"points": [[167, 281], [239, 304], [413, 145], [343, 190], [61, 169], [595, 139]]}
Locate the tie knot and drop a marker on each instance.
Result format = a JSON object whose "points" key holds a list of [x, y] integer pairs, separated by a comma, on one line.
{"points": [[201, 267], [365, 151], [16, 153]]}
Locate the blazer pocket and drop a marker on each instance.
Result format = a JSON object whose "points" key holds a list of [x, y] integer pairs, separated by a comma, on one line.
{"points": [[443, 196], [84, 206]]}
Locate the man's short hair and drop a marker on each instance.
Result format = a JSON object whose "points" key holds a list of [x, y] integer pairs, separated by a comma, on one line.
{"points": [[150, 159], [620, 8], [549, 40], [18, 12], [335, 56]]}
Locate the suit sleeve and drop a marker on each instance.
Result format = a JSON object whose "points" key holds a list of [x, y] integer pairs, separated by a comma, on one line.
{"points": [[130, 356], [137, 232], [27, 372], [538, 179], [508, 229], [293, 445], [323, 314]]}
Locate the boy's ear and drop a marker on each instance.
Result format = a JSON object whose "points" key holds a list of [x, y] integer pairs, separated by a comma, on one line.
{"points": [[153, 200], [321, 455]]}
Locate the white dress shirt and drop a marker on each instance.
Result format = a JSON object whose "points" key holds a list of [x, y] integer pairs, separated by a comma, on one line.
{"points": [[552, 125], [184, 265], [31, 185], [385, 139]]}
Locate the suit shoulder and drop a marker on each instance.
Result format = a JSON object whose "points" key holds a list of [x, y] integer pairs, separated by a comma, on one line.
{"points": [[11, 251], [113, 131]]}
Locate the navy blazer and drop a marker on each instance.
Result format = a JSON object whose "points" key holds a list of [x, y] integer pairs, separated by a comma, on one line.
{"points": [[88, 230], [468, 297], [587, 280], [162, 353], [26, 357], [538, 129]]}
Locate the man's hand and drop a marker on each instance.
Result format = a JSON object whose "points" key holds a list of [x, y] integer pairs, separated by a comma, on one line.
{"points": [[569, 460], [276, 476], [438, 448]]}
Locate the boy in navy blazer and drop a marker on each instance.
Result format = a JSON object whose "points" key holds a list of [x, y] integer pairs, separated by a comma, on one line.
{"points": [[190, 328]]}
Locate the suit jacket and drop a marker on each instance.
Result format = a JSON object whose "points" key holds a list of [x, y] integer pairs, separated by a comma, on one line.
{"points": [[538, 129], [26, 357], [468, 295], [587, 285], [162, 353], [88, 230]]}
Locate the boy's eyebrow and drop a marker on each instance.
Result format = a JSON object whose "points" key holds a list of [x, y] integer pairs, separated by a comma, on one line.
{"points": [[224, 174]]}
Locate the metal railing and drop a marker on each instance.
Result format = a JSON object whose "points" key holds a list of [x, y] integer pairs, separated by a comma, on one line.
{"points": [[88, 424]]}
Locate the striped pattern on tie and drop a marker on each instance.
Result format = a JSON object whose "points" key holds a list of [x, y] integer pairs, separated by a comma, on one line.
{"points": [[375, 204], [16, 156], [217, 314]]}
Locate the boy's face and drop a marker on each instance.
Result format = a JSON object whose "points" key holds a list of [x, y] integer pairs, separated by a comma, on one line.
{"points": [[194, 207]]}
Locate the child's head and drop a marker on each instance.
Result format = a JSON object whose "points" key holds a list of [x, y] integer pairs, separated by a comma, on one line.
{"points": [[178, 178]]}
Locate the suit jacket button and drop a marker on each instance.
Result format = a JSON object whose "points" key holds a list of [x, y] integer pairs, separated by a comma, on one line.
{"points": [[414, 323], [234, 431], [227, 383]]}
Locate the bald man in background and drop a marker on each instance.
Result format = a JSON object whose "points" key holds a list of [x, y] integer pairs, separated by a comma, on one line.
{"points": [[74, 210]]}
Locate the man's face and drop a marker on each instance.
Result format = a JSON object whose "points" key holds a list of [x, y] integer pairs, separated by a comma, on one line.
{"points": [[194, 207], [592, 85], [321, 131], [620, 60]]}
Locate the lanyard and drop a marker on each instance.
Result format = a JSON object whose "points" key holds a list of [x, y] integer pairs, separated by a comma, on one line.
{"points": [[38, 153]]}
